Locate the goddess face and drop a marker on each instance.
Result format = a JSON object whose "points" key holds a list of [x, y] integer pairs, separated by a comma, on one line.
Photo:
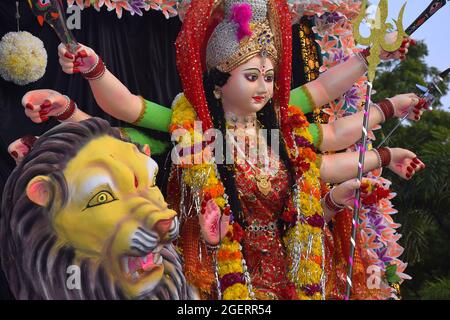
{"points": [[249, 87]]}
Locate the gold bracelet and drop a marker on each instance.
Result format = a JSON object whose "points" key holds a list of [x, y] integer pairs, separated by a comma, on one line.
{"points": [[142, 113]]}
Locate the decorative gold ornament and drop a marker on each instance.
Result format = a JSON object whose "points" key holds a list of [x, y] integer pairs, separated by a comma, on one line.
{"points": [[378, 32], [263, 182]]}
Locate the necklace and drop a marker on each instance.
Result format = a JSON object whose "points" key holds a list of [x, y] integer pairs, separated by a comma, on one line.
{"points": [[262, 178]]}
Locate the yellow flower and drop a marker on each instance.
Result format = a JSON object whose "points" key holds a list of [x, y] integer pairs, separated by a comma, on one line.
{"points": [[220, 202], [303, 296], [231, 266], [308, 272], [237, 291], [303, 234]]}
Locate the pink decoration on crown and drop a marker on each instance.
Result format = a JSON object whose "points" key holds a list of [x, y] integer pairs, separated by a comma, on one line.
{"points": [[242, 14]]}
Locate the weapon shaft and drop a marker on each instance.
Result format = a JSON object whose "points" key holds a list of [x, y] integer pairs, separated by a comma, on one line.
{"points": [[357, 207], [432, 8]]}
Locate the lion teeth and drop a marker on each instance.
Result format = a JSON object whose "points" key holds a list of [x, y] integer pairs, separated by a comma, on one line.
{"points": [[157, 249], [157, 258], [135, 275], [125, 265]]}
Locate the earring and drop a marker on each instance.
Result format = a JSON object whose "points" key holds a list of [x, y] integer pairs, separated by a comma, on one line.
{"points": [[217, 94]]}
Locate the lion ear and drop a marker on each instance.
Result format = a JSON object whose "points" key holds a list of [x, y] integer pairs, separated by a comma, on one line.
{"points": [[39, 190]]}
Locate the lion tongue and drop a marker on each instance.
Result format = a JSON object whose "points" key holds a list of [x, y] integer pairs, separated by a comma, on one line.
{"points": [[140, 263], [149, 264]]}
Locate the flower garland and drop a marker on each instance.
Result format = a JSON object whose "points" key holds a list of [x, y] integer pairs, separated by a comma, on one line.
{"points": [[300, 8], [379, 235], [231, 266], [304, 241], [172, 8], [305, 216], [333, 32]]}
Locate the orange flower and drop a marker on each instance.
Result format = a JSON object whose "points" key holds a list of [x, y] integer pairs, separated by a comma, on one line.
{"points": [[188, 125], [224, 255]]}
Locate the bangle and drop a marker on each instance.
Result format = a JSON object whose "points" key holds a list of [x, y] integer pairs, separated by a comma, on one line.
{"points": [[362, 59], [387, 107], [362, 55], [366, 53], [96, 72], [380, 163], [65, 108], [385, 156], [69, 110], [381, 111], [331, 204]]}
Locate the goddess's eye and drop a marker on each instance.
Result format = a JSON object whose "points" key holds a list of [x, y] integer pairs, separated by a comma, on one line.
{"points": [[251, 77], [269, 78]]}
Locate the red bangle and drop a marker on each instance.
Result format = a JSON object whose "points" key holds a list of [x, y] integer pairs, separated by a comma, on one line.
{"points": [[96, 72], [366, 53], [66, 114], [333, 206], [385, 156], [387, 108]]}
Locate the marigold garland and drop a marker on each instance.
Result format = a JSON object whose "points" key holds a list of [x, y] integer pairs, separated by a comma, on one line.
{"points": [[304, 241]]}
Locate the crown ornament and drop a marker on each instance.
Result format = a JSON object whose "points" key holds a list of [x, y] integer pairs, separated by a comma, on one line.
{"points": [[244, 33]]}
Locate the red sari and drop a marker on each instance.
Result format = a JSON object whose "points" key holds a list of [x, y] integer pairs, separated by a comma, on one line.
{"points": [[263, 249]]}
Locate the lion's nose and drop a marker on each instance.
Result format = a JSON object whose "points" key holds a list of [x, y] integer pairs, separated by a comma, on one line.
{"points": [[163, 226]]}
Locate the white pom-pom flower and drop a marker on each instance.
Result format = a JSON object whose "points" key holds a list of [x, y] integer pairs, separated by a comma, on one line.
{"points": [[23, 58]]}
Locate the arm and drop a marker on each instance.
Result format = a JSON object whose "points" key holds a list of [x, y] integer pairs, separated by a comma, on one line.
{"points": [[336, 168], [337, 80], [42, 104], [345, 131], [343, 166], [112, 95]]}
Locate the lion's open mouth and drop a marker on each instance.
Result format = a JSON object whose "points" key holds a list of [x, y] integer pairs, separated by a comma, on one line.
{"points": [[136, 268]]}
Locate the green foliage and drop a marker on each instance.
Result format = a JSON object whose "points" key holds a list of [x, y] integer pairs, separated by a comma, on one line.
{"points": [[424, 201], [437, 289], [402, 77], [391, 274]]}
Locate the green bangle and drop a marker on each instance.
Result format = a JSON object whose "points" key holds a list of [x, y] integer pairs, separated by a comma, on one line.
{"points": [[301, 97], [153, 116], [136, 136], [316, 131]]}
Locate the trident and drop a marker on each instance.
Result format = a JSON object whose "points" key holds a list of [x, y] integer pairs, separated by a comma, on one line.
{"points": [[376, 40]]}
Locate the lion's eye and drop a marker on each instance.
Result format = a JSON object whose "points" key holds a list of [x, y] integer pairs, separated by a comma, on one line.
{"points": [[101, 198]]}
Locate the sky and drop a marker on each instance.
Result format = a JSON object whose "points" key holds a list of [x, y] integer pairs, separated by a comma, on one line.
{"points": [[435, 32]]}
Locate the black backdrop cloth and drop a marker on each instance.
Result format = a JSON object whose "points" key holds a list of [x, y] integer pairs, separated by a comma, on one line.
{"points": [[139, 51]]}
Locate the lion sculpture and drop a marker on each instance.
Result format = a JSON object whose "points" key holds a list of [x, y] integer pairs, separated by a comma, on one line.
{"points": [[82, 218]]}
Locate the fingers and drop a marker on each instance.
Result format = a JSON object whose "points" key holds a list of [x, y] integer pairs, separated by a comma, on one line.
{"points": [[26, 98], [418, 110], [355, 184], [69, 67], [414, 166], [70, 62], [38, 113], [34, 116], [406, 43]]}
